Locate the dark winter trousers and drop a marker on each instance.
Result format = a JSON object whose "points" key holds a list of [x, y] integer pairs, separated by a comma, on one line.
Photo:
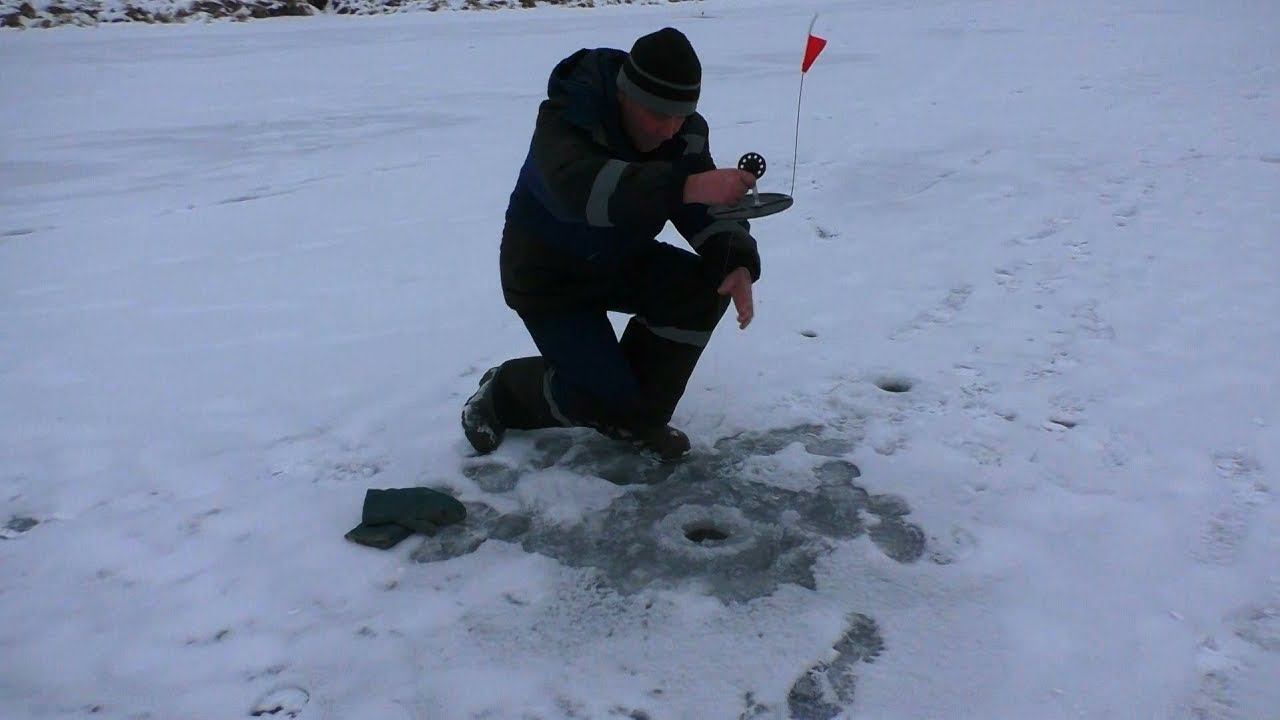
{"points": [[587, 377]]}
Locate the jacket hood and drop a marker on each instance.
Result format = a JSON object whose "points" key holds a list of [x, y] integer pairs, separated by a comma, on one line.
{"points": [[584, 86]]}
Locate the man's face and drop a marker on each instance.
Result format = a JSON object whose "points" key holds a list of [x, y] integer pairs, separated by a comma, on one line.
{"points": [[646, 128]]}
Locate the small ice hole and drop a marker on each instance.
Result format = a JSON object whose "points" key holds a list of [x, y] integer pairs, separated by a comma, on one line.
{"points": [[703, 533], [893, 385]]}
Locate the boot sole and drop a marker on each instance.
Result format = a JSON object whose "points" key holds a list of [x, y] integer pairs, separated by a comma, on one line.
{"points": [[482, 435]]}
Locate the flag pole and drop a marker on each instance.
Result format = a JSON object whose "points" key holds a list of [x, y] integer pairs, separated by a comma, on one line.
{"points": [[795, 153]]}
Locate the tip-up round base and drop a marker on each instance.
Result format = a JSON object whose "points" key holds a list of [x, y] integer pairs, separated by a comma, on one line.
{"points": [[751, 207]]}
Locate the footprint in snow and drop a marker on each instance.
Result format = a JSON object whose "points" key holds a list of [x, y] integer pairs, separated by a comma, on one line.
{"points": [[282, 702], [17, 526], [940, 314], [825, 689], [1229, 526], [1238, 666]]}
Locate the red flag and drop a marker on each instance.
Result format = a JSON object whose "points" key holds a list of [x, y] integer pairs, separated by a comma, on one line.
{"points": [[811, 51]]}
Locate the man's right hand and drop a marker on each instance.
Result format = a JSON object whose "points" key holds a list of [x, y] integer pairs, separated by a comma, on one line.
{"points": [[725, 186]]}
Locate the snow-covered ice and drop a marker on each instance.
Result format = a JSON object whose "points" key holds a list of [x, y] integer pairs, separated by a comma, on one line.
{"points": [[1001, 442]]}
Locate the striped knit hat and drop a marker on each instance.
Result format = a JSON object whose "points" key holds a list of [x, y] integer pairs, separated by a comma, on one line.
{"points": [[662, 73]]}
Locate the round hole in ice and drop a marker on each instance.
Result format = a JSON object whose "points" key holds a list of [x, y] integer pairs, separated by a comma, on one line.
{"points": [[704, 532], [894, 384]]}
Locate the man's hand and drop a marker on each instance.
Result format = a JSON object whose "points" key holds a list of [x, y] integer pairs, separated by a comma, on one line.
{"points": [[737, 285], [725, 186]]}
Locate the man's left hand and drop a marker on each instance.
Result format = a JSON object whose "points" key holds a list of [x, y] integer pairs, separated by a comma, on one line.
{"points": [[737, 285]]}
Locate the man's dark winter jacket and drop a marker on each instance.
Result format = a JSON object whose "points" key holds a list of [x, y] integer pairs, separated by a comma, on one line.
{"points": [[586, 200]]}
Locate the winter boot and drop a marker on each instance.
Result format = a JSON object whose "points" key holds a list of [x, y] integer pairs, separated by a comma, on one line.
{"points": [[480, 421], [666, 443], [511, 396]]}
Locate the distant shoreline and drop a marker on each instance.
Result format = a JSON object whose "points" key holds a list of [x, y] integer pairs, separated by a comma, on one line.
{"points": [[89, 13]]}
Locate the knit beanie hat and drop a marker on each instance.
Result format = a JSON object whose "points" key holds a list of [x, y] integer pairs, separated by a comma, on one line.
{"points": [[662, 73]]}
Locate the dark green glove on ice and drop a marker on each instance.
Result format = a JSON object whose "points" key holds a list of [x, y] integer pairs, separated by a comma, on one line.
{"points": [[392, 515]]}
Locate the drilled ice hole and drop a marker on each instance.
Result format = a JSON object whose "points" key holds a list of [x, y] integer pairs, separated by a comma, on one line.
{"points": [[894, 384], [704, 532]]}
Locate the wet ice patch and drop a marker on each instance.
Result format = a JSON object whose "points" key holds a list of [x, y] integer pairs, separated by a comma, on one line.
{"points": [[812, 440], [492, 477], [837, 472], [902, 541], [718, 522]]}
